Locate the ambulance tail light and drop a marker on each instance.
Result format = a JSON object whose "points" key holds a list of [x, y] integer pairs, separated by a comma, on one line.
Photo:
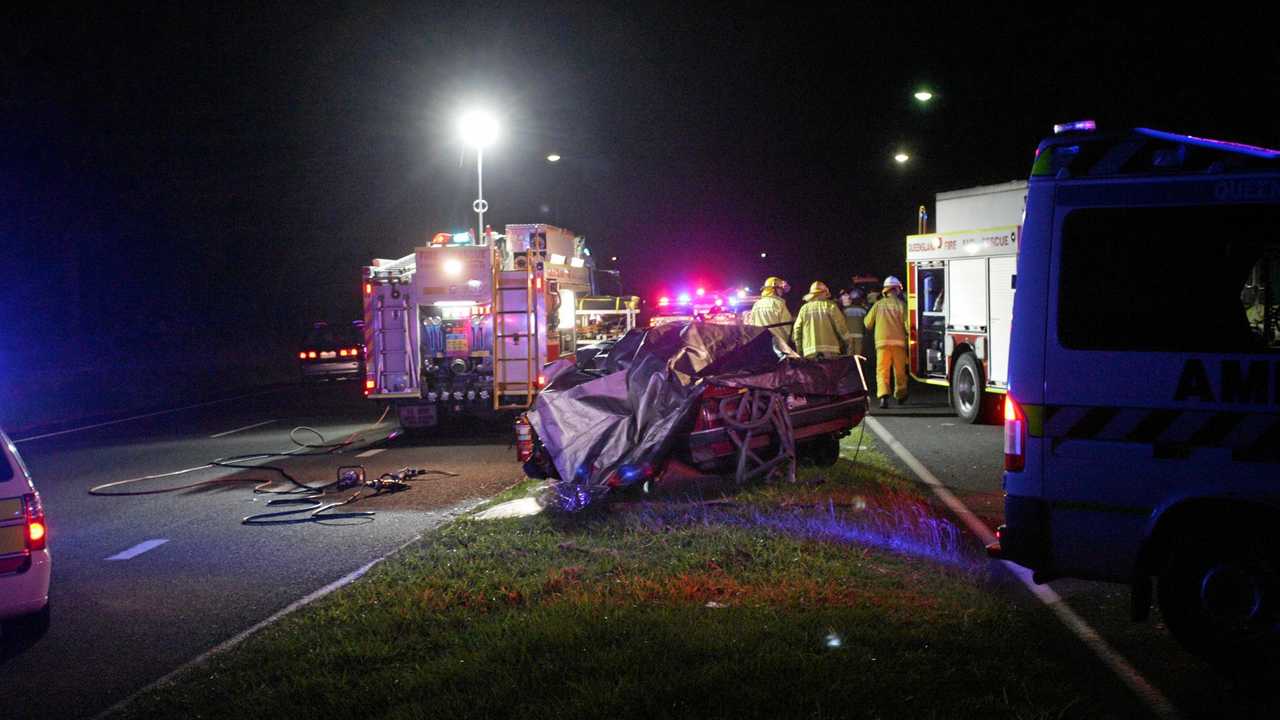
{"points": [[1015, 435]]}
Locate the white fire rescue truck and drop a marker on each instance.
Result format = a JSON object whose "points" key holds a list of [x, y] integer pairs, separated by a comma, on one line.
{"points": [[960, 282], [462, 327]]}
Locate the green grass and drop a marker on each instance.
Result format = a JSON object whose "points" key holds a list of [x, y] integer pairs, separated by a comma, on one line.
{"points": [[780, 601]]}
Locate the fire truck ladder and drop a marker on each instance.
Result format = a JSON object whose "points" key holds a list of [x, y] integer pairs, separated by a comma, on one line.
{"points": [[515, 336]]}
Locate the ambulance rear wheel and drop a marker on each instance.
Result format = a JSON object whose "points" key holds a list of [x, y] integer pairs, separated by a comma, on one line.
{"points": [[1220, 598], [967, 384]]}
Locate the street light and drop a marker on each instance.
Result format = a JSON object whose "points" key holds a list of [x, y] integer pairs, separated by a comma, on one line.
{"points": [[478, 129], [553, 158], [924, 96], [901, 158]]}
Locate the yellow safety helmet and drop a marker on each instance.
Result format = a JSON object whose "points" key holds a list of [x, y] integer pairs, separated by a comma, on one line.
{"points": [[818, 291], [776, 284]]}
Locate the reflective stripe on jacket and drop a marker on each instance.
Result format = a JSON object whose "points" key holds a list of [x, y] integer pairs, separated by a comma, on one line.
{"points": [[888, 319], [820, 328], [772, 310]]}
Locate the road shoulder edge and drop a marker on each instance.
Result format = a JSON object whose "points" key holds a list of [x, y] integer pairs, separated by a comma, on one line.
{"points": [[446, 515], [1155, 700]]}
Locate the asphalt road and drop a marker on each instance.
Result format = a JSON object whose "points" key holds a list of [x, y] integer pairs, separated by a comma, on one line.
{"points": [[968, 460], [194, 575], [121, 624]]}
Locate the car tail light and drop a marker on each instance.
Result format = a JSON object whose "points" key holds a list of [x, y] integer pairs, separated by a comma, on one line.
{"points": [[312, 354], [302, 356], [542, 380], [524, 440], [342, 352], [37, 533], [1015, 435]]}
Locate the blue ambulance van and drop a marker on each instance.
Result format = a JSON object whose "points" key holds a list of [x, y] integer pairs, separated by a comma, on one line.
{"points": [[1142, 424]]}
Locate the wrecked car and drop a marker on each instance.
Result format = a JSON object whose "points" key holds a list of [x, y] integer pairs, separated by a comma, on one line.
{"points": [[681, 400]]}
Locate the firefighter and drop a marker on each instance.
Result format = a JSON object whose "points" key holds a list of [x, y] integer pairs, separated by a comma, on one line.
{"points": [[854, 306], [888, 320], [771, 310], [820, 329]]}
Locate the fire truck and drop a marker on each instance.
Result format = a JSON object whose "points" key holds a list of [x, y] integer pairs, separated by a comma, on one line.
{"points": [[464, 325], [959, 286]]}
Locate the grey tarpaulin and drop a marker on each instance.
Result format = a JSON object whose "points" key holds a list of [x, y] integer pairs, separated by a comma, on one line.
{"points": [[624, 421]]}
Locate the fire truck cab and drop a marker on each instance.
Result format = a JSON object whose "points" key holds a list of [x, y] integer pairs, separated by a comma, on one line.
{"points": [[959, 288]]}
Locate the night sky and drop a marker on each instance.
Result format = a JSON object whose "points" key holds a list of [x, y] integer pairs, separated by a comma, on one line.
{"points": [[175, 172]]}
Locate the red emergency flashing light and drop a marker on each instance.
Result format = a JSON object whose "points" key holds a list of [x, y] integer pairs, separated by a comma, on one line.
{"points": [[312, 354], [368, 288], [1015, 435], [342, 352], [368, 384], [302, 356], [664, 301], [702, 291]]}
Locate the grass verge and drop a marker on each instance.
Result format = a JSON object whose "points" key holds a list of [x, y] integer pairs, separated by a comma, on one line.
{"points": [[843, 595]]}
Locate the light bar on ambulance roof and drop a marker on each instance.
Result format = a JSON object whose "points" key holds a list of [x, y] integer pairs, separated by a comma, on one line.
{"points": [[1077, 126], [664, 301], [702, 291], [1223, 145], [684, 299]]}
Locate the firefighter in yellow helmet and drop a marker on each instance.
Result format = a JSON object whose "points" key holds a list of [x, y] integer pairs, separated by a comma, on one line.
{"points": [[888, 320], [771, 310], [820, 329]]}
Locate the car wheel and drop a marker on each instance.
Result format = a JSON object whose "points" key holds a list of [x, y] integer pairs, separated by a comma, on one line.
{"points": [[967, 388], [823, 451], [1219, 596]]}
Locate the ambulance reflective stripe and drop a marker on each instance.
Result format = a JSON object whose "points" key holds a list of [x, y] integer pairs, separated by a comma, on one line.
{"points": [[1251, 436]]}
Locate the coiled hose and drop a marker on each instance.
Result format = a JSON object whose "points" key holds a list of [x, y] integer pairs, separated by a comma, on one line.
{"points": [[757, 410]]}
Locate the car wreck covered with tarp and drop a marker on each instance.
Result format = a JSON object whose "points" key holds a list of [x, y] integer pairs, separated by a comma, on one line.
{"points": [[681, 399]]}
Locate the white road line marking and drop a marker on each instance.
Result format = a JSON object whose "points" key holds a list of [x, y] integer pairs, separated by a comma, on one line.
{"points": [[138, 549], [1128, 674], [371, 453], [441, 517], [246, 427], [140, 417]]}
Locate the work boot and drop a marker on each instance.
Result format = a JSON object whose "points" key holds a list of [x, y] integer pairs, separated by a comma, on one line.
{"points": [[884, 403]]}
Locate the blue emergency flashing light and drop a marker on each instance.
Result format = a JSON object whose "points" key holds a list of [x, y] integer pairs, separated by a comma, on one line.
{"points": [[685, 299], [1077, 126]]}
